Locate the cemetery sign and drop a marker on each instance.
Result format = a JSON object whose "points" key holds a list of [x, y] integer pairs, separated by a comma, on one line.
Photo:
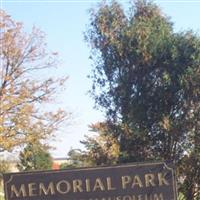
{"points": [[141, 181]]}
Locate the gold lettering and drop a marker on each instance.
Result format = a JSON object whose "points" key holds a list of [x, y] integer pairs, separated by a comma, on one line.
{"points": [[98, 185], [109, 184], [18, 193], [134, 197], [158, 197], [137, 181], [140, 197], [127, 197], [125, 180], [66, 184], [149, 180], [50, 189], [31, 189], [87, 184], [162, 180], [77, 185]]}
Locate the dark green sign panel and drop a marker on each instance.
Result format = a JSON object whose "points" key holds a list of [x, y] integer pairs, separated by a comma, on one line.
{"points": [[141, 181]]}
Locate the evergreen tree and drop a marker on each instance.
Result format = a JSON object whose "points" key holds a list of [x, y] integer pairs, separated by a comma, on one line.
{"points": [[35, 156]]}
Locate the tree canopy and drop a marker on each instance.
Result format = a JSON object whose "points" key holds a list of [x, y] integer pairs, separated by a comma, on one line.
{"points": [[23, 91], [146, 78]]}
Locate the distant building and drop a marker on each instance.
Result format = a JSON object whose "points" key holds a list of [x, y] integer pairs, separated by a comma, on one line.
{"points": [[58, 161]]}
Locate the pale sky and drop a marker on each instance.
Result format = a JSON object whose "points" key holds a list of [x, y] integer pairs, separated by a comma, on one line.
{"points": [[64, 23]]}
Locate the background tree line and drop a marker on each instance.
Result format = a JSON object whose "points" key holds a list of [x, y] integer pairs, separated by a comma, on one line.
{"points": [[146, 79]]}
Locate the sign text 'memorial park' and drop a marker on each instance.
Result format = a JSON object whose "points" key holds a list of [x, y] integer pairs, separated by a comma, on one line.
{"points": [[144, 181]]}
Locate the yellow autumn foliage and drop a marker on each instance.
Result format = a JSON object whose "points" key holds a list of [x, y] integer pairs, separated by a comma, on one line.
{"points": [[22, 91]]}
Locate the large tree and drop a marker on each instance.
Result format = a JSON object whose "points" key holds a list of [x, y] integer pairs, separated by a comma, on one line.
{"points": [[25, 86], [146, 78]]}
